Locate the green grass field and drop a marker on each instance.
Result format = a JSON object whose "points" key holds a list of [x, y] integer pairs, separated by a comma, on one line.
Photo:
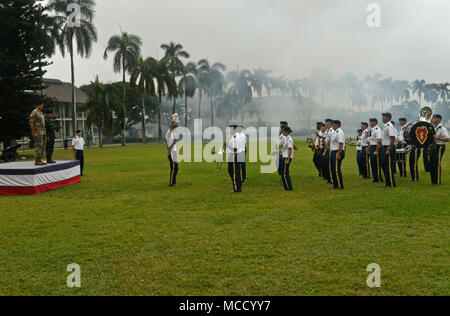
{"points": [[133, 235]]}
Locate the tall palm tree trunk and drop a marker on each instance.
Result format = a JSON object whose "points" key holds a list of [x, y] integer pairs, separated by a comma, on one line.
{"points": [[200, 105], [124, 118], [144, 136], [159, 116], [212, 112], [185, 110], [74, 106]]}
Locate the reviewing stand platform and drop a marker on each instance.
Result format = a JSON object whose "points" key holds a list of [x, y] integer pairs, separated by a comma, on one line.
{"points": [[24, 178]]}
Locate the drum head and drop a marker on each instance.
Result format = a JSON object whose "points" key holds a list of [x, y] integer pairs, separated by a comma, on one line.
{"points": [[421, 134]]}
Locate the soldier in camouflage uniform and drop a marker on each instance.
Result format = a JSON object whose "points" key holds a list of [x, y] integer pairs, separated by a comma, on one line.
{"points": [[37, 125], [50, 128]]}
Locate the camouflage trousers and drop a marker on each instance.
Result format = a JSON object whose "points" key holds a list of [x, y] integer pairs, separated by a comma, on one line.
{"points": [[39, 147]]}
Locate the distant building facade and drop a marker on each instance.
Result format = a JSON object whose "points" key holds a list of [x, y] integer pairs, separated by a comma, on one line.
{"points": [[62, 112]]}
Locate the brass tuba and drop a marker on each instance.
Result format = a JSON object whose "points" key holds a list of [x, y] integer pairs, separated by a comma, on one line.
{"points": [[426, 114]]}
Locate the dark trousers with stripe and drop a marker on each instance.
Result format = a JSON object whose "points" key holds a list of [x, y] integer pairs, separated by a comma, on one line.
{"points": [[317, 161], [437, 153], [286, 177], [426, 159], [414, 163], [79, 155], [280, 164], [375, 163], [234, 170], [365, 165], [359, 161], [402, 163], [173, 170], [386, 162], [336, 171], [326, 167]]}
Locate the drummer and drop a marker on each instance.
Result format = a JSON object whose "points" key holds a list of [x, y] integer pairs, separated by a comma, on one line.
{"points": [[401, 144]]}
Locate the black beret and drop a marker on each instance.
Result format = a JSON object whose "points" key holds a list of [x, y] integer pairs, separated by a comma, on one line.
{"points": [[283, 123], [365, 123], [387, 115], [373, 120], [337, 122], [287, 129], [402, 119], [438, 116], [329, 120], [360, 131]]}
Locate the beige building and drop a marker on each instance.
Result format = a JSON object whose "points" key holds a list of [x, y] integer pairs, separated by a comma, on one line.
{"points": [[62, 93]]}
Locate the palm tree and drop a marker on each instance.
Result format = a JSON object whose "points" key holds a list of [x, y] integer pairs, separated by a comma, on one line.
{"points": [[443, 91], [127, 49], [99, 109], [173, 54], [142, 76], [215, 81], [418, 87], [241, 86], [187, 86], [431, 94], [227, 106], [165, 85], [260, 80], [83, 36], [202, 85]]}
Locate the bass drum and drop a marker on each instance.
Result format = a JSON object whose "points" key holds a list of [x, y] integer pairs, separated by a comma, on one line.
{"points": [[419, 134]]}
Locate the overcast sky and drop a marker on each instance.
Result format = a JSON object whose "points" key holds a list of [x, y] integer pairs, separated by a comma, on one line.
{"points": [[289, 37]]}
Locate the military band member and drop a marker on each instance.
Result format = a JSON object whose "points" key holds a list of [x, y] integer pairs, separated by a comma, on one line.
{"points": [[283, 124], [337, 148], [50, 135], [326, 162], [365, 142], [234, 151], [438, 149], [171, 143], [389, 137], [37, 125], [401, 144], [243, 153], [374, 150], [288, 155], [414, 156], [318, 148], [358, 145]]}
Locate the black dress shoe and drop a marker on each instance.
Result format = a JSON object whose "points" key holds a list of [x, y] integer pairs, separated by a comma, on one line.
{"points": [[51, 161]]}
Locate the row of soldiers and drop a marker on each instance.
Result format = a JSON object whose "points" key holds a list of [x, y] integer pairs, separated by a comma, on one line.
{"points": [[329, 152], [367, 142]]}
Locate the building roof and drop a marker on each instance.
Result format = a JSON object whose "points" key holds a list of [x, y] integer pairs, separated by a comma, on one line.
{"points": [[62, 91]]}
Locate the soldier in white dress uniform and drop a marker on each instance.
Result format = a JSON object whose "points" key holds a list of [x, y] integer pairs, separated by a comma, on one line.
{"points": [[438, 149]]}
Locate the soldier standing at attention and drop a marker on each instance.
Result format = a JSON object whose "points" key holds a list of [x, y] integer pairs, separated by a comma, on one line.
{"points": [[171, 143], [359, 152], [37, 125], [326, 155], [374, 150], [318, 149], [401, 144], [337, 148], [78, 150], [283, 124], [288, 155], [234, 145], [365, 141], [388, 139], [50, 135], [438, 149]]}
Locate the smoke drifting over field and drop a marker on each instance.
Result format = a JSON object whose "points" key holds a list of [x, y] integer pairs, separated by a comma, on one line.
{"points": [[323, 40]]}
